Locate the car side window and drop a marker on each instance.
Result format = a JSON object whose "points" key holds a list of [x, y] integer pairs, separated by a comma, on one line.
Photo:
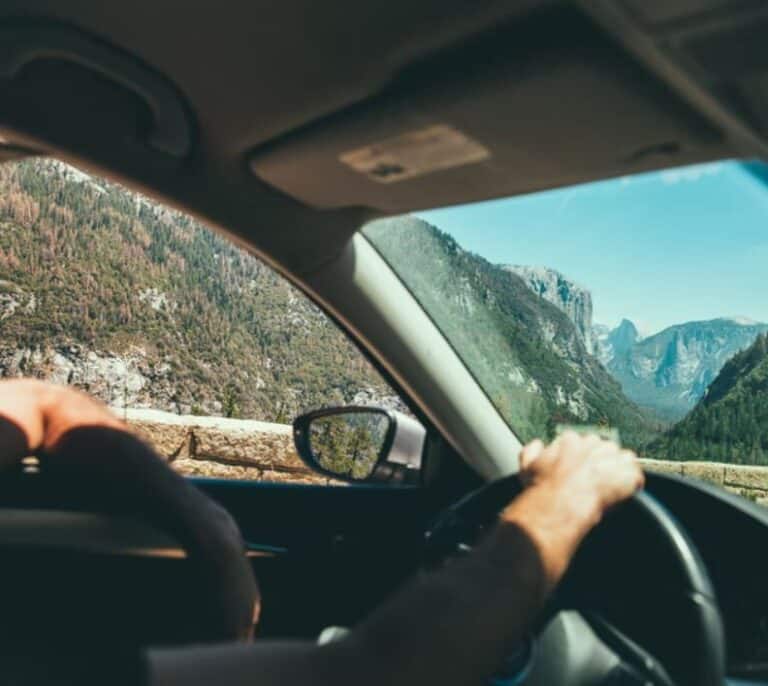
{"points": [[203, 349]]}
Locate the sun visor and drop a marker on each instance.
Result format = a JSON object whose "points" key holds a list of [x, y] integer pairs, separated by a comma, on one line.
{"points": [[526, 109]]}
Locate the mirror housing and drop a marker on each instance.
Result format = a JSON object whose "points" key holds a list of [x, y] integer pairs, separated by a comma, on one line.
{"points": [[361, 444]]}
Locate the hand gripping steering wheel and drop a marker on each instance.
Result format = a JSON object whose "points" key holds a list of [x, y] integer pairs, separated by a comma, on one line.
{"points": [[635, 607]]}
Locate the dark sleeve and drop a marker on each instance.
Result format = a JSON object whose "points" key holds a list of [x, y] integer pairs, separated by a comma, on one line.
{"points": [[88, 666]]}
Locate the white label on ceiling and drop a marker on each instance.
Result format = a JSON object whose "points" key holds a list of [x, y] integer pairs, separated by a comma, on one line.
{"points": [[414, 154]]}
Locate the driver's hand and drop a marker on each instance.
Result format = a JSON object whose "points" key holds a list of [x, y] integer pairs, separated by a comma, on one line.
{"points": [[570, 484], [35, 415], [588, 469]]}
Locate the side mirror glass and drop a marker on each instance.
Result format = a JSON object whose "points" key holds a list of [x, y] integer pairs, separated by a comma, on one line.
{"points": [[360, 444]]}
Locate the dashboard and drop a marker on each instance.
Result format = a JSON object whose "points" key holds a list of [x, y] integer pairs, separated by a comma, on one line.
{"points": [[62, 549]]}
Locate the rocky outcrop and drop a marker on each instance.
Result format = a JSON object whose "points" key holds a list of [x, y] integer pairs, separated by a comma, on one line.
{"points": [[221, 448], [138, 378], [615, 343], [567, 296], [132, 378]]}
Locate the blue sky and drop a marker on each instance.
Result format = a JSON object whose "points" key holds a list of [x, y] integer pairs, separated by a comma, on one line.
{"points": [[661, 248]]}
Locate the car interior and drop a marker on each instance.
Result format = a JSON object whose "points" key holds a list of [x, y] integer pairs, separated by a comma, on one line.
{"points": [[287, 126]]}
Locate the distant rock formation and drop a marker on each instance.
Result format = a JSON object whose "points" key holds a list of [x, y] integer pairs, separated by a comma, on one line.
{"points": [[611, 343], [671, 370], [570, 298]]}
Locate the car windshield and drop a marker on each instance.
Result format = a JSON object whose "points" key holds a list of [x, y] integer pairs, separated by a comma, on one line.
{"points": [[637, 304]]}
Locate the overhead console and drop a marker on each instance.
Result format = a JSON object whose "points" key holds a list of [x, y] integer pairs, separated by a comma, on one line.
{"points": [[540, 102]]}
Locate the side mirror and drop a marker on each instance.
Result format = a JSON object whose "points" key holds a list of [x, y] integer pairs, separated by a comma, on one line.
{"points": [[361, 444]]}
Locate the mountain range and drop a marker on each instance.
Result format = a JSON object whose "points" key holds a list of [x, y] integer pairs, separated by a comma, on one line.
{"points": [[672, 369], [667, 372], [708, 379]]}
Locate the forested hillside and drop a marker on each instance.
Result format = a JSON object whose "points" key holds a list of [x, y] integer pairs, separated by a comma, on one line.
{"points": [[730, 423], [526, 353], [145, 307]]}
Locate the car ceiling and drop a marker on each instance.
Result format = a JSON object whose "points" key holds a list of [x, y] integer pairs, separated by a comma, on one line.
{"points": [[244, 113]]}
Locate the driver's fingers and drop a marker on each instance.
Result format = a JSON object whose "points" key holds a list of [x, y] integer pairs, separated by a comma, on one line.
{"points": [[21, 420], [604, 448], [530, 452], [572, 443], [14, 442], [629, 457], [75, 409]]}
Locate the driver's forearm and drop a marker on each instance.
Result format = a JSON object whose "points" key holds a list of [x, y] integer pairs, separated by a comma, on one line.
{"points": [[452, 626], [456, 625]]}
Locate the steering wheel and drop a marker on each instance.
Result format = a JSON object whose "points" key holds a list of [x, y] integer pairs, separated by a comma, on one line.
{"points": [[635, 607], [130, 479]]}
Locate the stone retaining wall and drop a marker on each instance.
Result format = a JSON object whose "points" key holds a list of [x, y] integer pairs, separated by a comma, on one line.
{"points": [[748, 481], [245, 449], [222, 448]]}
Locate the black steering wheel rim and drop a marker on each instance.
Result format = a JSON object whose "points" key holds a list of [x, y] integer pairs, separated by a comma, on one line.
{"points": [[684, 600], [139, 483]]}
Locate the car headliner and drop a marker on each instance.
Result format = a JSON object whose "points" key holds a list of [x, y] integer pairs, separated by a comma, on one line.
{"points": [[558, 92], [239, 113]]}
